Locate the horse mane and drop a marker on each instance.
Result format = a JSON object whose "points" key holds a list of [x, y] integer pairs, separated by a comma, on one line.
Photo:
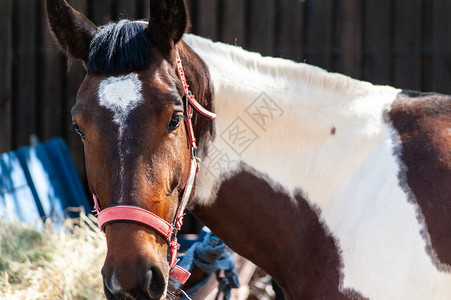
{"points": [[313, 76], [119, 48]]}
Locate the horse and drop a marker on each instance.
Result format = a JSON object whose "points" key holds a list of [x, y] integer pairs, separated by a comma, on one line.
{"points": [[338, 188]]}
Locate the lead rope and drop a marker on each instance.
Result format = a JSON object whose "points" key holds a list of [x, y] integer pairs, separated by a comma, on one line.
{"points": [[185, 294]]}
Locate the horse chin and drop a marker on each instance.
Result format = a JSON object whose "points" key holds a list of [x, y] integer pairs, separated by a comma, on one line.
{"points": [[170, 295]]}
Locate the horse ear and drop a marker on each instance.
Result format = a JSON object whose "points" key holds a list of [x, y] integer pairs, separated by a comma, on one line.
{"points": [[168, 22], [73, 32]]}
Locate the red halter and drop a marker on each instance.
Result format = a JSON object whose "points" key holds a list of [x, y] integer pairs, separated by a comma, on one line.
{"points": [[142, 216]]}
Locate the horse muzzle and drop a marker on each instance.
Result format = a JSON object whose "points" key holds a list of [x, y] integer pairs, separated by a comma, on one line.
{"points": [[135, 266], [134, 282]]}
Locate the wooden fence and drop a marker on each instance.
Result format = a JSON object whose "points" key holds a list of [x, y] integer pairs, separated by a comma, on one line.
{"points": [[404, 43]]}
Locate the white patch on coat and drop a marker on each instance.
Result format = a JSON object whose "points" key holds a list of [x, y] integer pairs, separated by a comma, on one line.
{"points": [[352, 175], [121, 95]]}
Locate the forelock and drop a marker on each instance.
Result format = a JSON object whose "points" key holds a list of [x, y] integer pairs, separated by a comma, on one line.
{"points": [[120, 48]]}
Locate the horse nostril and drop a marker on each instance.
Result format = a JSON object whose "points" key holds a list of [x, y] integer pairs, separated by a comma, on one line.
{"points": [[155, 284]]}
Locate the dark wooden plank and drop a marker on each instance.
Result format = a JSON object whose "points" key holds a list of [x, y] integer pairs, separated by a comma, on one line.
{"points": [[24, 98], [126, 9], [318, 33], [260, 36], [407, 44], [142, 9], [290, 29], [74, 77], [233, 18], [348, 38], [189, 4], [192, 7], [6, 58], [427, 45], [51, 81], [101, 11], [377, 41], [207, 11], [442, 47]]}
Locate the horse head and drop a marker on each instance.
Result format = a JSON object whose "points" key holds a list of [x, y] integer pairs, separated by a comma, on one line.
{"points": [[129, 114]]}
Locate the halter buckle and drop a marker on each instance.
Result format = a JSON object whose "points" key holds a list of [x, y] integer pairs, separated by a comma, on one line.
{"points": [[189, 111]]}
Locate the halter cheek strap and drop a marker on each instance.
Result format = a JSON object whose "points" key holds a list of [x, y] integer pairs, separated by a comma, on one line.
{"points": [[190, 97], [138, 215]]}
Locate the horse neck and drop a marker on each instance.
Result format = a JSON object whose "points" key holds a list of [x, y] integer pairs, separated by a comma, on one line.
{"points": [[288, 138], [314, 190], [305, 126]]}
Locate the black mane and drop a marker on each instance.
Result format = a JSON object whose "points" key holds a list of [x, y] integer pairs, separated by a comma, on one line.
{"points": [[119, 48]]}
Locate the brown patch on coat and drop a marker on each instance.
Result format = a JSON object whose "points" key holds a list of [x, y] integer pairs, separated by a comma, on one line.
{"points": [[282, 235], [423, 122]]}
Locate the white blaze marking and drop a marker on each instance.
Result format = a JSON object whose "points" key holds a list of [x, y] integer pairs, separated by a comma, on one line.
{"points": [[121, 95]]}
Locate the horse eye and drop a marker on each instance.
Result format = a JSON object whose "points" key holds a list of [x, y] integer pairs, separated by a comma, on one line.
{"points": [[78, 131], [174, 122]]}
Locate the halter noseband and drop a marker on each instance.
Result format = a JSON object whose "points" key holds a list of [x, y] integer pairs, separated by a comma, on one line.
{"points": [[145, 217]]}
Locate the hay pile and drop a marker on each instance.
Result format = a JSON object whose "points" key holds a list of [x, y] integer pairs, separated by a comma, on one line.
{"points": [[49, 265]]}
